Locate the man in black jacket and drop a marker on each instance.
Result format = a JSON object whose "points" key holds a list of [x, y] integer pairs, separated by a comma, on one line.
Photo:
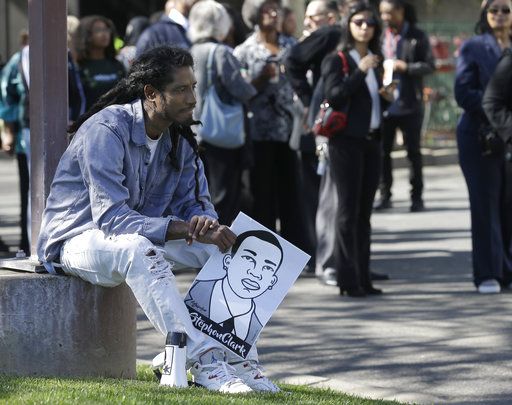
{"points": [[497, 104], [497, 100], [408, 51]]}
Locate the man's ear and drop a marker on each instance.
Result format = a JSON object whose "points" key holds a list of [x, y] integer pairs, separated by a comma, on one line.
{"points": [[150, 92], [273, 281], [226, 261]]}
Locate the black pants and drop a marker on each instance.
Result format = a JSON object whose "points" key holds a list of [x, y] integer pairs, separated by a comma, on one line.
{"points": [[355, 168], [489, 181], [410, 125], [309, 190], [275, 189], [24, 196], [223, 169]]}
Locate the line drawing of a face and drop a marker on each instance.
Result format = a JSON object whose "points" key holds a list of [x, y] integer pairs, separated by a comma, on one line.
{"points": [[251, 270]]}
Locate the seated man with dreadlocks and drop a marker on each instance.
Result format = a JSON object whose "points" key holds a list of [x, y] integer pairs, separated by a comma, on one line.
{"points": [[129, 201]]}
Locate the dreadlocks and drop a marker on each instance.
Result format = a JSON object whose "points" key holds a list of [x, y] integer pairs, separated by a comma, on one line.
{"points": [[156, 68]]}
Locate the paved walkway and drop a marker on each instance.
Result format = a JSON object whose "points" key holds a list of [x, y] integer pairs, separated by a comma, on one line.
{"points": [[429, 339], [9, 202]]}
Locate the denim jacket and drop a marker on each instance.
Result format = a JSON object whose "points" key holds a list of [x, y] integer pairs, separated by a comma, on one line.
{"points": [[104, 181]]}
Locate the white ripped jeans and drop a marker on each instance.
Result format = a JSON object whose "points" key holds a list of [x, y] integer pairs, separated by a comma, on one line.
{"points": [[111, 260]]}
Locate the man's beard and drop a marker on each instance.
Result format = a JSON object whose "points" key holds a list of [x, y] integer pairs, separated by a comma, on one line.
{"points": [[189, 122], [186, 122]]}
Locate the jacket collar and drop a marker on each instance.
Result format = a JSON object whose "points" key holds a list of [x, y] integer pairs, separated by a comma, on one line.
{"points": [[138, 134], [491, 44]]}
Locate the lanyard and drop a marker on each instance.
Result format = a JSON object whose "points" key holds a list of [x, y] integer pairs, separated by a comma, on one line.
{"points": [[391, 44]]}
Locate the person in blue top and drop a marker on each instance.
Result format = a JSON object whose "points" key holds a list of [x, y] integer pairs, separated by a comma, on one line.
{"points": [[14, 112], [483, 169], [171, 29], [129, 202]]}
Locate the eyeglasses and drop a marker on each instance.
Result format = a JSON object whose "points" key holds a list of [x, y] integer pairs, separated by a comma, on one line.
{"points": [[369, 22], [495, 10]]}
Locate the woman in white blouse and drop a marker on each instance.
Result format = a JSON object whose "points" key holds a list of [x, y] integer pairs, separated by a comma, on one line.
{"points": [[355, 151]]}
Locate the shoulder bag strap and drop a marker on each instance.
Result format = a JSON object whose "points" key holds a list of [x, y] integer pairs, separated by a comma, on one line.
{"points": [[344, 61], [209, 65]]}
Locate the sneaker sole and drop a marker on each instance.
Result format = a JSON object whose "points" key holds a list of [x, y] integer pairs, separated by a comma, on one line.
{"points": [[194, 384], [489, 290]]}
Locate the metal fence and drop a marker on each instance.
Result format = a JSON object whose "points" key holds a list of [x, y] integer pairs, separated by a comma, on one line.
{"points": [[441, 110]]}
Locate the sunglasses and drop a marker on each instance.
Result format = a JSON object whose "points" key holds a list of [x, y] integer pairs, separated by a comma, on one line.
{"points": [[369, 22], [496, 10]]}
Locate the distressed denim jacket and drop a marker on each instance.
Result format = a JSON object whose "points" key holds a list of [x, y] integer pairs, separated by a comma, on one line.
{"points": [[104, 181]]}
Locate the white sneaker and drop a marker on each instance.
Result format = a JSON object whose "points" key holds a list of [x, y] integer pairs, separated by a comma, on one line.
{"points": [[251, 373], [158, 365], [213, 373], [490, 286]]}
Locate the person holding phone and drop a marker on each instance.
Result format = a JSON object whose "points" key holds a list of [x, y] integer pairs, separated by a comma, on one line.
{"points": [[355, 151], [407, 52]]}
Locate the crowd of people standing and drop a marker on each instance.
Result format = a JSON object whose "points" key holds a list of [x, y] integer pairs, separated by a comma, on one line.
{"points": [[256, 60]]}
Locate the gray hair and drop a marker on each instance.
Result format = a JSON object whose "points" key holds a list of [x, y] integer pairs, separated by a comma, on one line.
{"points": [[251, 10], [208, 19]]}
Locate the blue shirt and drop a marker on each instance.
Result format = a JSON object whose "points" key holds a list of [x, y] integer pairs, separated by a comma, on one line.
{"points": [[104, 181], [13, 98]]}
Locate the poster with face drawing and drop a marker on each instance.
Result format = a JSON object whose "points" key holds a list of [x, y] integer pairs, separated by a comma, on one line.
{"points": [[236, 293]]}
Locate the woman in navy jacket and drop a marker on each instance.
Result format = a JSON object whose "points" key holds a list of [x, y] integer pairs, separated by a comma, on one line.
{"points": [[483, 170], [355, 152]]}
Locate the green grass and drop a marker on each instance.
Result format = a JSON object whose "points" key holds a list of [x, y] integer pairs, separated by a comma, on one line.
{"points": [[145, 390]]}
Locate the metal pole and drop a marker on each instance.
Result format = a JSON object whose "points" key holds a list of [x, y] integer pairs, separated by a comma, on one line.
{"points": [[48, 100], [4, 38]]}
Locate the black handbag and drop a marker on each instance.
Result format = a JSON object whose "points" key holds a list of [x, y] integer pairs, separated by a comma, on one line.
{"points": [[491, 143], [328, 120]]}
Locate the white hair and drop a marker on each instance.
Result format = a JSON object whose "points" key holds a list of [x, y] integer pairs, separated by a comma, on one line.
{"points": [[208, 19]]}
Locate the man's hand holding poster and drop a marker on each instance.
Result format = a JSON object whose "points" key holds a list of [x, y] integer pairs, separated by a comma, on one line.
{"points": [[236, 293]]}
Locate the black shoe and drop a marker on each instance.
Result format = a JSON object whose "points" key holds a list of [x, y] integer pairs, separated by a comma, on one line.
{"points": [[372, 291], [417, 206], [378, 276], [353, 292], [384, 204], [4, 248]]}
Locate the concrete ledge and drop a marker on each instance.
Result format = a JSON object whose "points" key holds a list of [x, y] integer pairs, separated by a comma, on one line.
{"points": [[62, 326]]}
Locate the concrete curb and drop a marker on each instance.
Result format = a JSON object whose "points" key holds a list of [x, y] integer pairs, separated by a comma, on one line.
{"points": [[431, 157]]}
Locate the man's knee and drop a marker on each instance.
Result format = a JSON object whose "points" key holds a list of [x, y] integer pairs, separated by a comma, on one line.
{"points": [[143, 255], [132, 243]]}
